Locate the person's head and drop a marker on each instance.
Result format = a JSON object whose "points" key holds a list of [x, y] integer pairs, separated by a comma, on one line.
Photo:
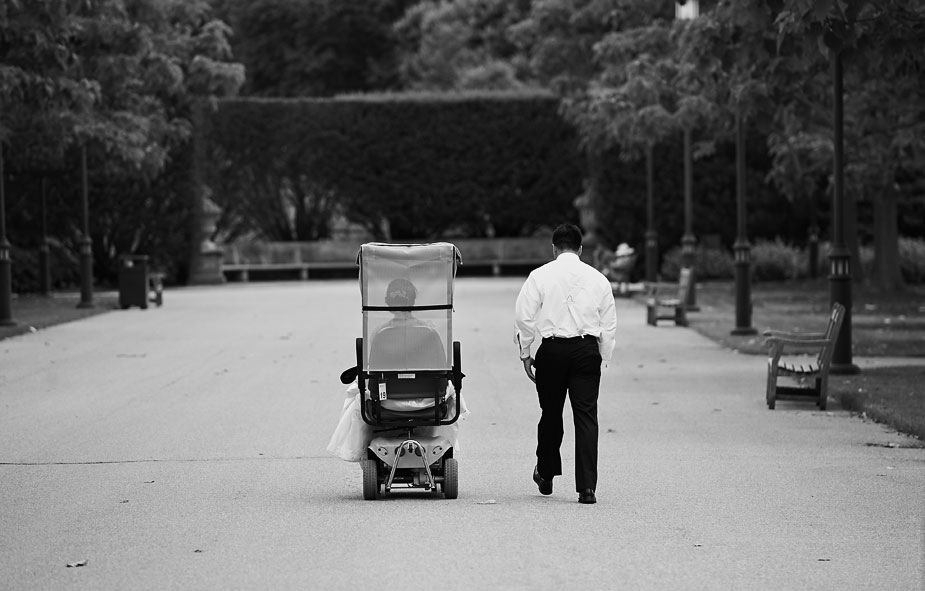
{"points": [[566, 238], [400, 292]]}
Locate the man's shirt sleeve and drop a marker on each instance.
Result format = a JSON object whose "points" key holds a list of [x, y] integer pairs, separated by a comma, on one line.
{"points": [[525, 312]]}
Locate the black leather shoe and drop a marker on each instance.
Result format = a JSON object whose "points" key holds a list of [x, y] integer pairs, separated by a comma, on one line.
{"points": [[544, 485], [586, 497]]}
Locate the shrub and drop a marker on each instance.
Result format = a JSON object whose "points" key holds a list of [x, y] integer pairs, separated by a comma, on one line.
{"points": [[713, 263], [64, 268], [776, 261], [710, 263], [912, 259]]}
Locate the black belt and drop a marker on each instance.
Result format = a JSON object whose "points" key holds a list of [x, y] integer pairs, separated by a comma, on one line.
{"points": [[569, 339]]}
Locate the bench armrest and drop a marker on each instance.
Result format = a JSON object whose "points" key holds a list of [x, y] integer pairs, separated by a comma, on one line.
{"points": [[653, 288], [798, 342], [776, 346], [796, 336]]}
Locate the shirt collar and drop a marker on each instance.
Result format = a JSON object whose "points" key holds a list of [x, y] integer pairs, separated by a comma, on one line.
{"points": [[569, 255]]}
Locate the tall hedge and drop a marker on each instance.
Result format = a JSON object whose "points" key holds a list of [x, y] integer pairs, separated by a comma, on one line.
{"points": [[402, 166]]}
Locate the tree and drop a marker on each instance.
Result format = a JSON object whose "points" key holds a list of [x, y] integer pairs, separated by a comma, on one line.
{"points": [[880, 43], [462, 45], [117, 77], [315, 47], [38, 91]]}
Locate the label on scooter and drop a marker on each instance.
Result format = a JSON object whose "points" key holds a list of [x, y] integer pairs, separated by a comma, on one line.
{"points": [[383, 395]]}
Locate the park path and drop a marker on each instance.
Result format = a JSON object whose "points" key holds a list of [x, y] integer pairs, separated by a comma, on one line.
{"points": [[183, 448]]}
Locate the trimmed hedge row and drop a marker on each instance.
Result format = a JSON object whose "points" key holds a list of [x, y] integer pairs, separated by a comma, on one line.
{"points": [[406, 166]]}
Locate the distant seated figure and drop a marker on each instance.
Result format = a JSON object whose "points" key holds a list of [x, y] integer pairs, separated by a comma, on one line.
{"points": [[621, 267], [406, 342]]}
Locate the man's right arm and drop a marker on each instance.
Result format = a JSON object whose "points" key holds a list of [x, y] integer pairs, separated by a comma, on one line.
{"points": [[525, 311]]}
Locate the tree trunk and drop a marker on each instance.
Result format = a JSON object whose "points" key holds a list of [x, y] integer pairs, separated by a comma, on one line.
{"points": [[303, 218], [887, 272]]}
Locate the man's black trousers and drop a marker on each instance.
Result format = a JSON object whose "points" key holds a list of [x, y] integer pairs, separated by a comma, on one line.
{"points": [[571, 366]]}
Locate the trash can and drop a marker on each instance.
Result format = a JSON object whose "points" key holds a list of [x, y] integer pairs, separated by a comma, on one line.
{"points": [[133, 281]]}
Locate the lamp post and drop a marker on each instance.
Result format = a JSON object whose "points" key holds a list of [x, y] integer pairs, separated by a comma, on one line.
{"points": [[6, 275], [86, 245], [44, 259], [688, 10], [743, 250], [840, 256], [651, 233], [688, 242]]}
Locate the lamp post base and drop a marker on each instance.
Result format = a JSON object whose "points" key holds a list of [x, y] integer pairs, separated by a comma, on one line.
{"points": [[6, 284], [844, 369], [743, 331], [688, 258], [86, 274], [44, 269], [651, 256], [743, 276]]}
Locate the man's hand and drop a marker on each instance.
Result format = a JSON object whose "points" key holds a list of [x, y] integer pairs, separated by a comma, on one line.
{"points": [[528, 367]]}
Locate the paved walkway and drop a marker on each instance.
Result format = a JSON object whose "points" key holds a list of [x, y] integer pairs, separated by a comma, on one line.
{"points": [[183, 447]]}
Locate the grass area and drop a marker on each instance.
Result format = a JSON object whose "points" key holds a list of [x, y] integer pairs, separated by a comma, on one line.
{"points": [[891, 395], [884, 325], [34, 312]]}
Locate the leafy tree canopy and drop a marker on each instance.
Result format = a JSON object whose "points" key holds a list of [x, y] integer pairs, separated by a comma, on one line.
{"points": [[110, 73], [315, 47]]}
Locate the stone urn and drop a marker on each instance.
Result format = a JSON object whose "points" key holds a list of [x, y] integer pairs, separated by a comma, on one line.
{"points": [[207, 261], [587, 215]]}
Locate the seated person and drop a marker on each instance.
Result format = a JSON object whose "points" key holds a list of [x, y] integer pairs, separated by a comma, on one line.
{"points": [[405, 341], [621, 267]]}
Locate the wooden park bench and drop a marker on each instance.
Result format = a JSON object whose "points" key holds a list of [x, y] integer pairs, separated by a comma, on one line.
{"points": [[806, 377], [246, 259], [500, 253], [667, 301]]}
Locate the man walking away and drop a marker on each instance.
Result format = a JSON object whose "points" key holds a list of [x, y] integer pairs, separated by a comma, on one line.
{"points": [[569, 306]]}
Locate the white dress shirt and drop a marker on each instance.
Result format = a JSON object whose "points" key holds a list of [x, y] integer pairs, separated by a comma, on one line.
{"points": [[566, 298]]}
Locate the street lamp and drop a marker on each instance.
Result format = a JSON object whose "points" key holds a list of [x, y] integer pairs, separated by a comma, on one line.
{"points": [[86, 245], [6, 274], [688, 10], [44, 259], [839, 256], [743, 250], [651, 233]]}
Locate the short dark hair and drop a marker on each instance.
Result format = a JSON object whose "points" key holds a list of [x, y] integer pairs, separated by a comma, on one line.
{"points": [[567, 237], [400, 292]]}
